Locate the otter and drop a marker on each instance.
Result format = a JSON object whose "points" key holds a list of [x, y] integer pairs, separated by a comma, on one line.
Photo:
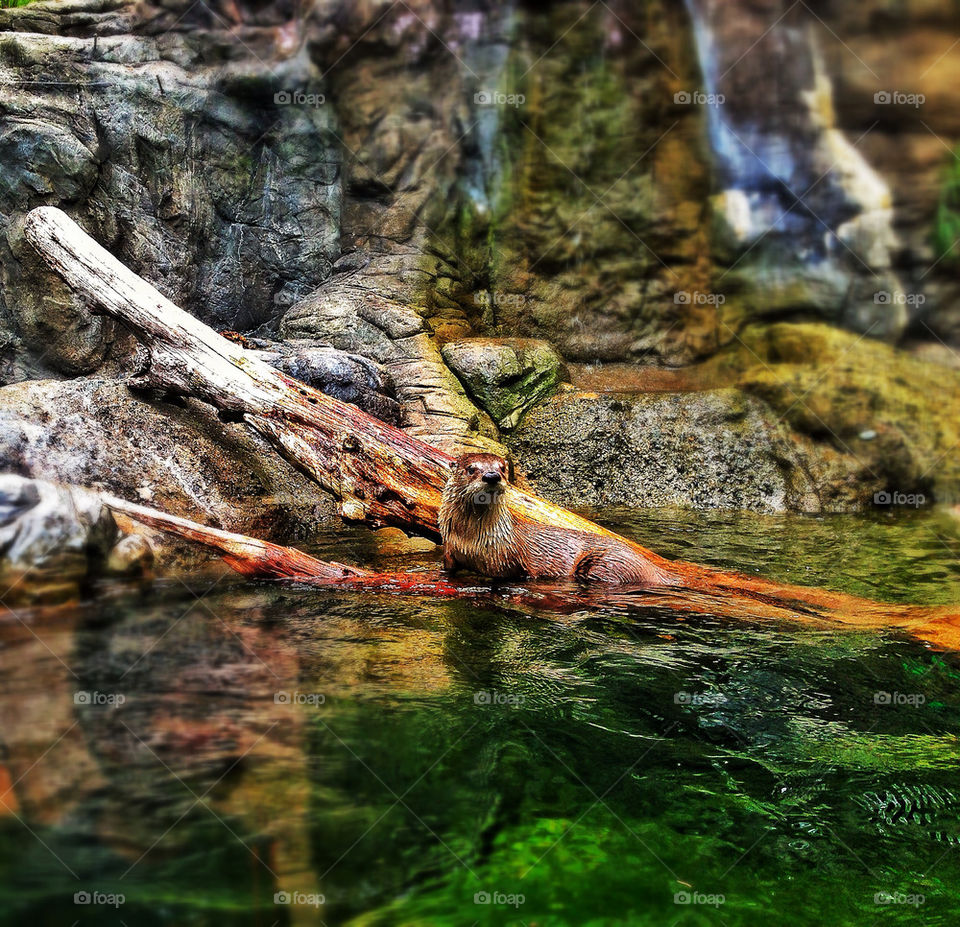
{"points": [[481, 533]]}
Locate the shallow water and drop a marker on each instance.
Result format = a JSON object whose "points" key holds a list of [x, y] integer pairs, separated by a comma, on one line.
{"points": [[201, 746]]}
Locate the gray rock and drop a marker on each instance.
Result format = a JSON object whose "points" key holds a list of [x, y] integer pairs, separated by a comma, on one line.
{"points": [[348, 377], [435, 405], [178, 160], [187, 162], [505, 376], [56, 329], [713, 449], [52, 538], [177, 457]]}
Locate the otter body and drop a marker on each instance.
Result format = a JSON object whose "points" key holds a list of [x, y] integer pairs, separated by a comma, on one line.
{"points": [[482, 534]]}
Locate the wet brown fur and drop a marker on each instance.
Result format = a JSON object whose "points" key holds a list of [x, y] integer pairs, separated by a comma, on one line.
{"points": [[481, 533]]}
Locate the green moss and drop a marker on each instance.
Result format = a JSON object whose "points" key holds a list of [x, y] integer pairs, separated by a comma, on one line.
{"points": [[946, 224], [560, 216], [836, 386]]}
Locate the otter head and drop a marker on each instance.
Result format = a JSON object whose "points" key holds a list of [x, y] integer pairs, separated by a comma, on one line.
{"points": [[480, 478]]}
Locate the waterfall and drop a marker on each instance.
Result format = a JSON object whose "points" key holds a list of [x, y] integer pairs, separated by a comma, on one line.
{"points": [[484, 50], [785, 171]]}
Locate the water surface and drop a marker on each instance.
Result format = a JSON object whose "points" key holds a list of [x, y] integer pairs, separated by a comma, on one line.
{"points": [[211, 749]]}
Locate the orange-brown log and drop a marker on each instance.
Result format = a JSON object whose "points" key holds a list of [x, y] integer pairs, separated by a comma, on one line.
{"points": [[261, 559], [246, 555]]}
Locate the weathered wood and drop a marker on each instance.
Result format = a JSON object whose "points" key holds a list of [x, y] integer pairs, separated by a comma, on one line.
{"points": [[381, 475], [246, 555], [263, 560]]}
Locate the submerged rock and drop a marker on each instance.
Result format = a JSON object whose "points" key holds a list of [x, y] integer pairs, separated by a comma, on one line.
{"points": [[505, 376], [130, 556]]}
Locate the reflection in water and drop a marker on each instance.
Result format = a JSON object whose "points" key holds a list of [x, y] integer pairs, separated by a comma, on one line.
{"points": [[211, 753]]}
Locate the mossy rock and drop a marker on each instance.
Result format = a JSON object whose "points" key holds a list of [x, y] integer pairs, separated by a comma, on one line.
{"points": [[505, 376], [896, 413]]}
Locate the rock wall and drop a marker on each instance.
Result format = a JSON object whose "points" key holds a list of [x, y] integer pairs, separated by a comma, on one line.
{"points": [[803, 222], [896, 77], [582, 212], [429, 184], [166, 142]]}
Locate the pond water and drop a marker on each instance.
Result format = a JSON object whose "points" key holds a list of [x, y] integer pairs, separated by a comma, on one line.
{"points": [[216, 752]]}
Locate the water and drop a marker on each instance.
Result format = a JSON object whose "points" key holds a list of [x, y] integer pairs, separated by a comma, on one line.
{"points": [[402, 756]]}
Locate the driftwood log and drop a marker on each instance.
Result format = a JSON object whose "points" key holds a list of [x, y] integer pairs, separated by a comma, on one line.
{"points": [[261, 559], [381, 475], [246, 555]]}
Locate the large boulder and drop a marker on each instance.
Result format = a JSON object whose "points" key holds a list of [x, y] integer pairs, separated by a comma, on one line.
{"points": [[795, 416], [897, 416], [711, 449], [177, 457]]}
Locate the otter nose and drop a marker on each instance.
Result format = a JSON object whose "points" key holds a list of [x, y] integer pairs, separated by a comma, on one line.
{"points": [[491, 477]]}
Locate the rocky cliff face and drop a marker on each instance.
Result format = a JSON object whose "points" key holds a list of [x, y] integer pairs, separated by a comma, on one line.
{"points": [[407, 182], [166, 141]]}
